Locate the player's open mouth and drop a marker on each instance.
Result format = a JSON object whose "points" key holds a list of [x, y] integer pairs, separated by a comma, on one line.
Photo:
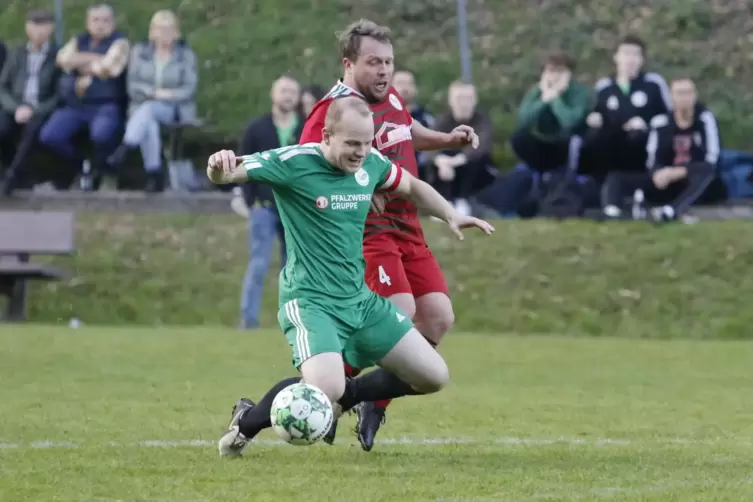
{"points": [[381, 86]]}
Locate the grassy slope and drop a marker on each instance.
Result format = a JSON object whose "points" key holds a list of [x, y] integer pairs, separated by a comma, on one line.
{"points": [[244, 45], [678, 426], [579, 277]]}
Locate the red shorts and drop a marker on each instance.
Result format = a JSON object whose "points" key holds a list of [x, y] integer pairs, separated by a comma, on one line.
{"points": [[397, 266]]}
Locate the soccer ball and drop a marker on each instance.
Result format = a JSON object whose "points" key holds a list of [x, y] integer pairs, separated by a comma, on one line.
{"points": [[301, 414]]}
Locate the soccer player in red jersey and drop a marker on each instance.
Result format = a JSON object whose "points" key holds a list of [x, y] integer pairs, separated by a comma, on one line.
{"points": [[399, 264]]}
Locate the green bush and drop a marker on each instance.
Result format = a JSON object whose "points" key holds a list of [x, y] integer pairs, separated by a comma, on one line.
{"points": [[244, 45], [628, 280]]}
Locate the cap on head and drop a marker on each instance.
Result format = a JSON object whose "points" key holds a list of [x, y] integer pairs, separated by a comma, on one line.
{"points": [[40, 16], [350, 39]]}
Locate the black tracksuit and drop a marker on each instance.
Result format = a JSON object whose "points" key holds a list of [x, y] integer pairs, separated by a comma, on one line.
{"points": [[609, 147], [696, 148]]}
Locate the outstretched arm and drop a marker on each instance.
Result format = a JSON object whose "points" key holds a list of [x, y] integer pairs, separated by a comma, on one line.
{"points": [[425, 139], [224, 167], [402, 183]]}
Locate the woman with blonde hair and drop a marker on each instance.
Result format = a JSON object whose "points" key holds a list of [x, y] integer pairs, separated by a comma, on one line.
{"points": [[162, 78]]}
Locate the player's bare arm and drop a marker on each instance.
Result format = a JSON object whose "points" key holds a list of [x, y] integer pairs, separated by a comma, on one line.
{"points": [[425, 197], [425, 139], [224, 168]]}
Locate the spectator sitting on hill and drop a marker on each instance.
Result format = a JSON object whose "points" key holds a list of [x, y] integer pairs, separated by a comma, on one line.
{"points": [[94, 93], [549, 116], [682, 156], [28, 95], [162, 79], [460, 174], [310, 95], [405, 84], [627, 106]]}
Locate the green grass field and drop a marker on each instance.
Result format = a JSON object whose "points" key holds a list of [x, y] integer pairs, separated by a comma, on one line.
{"points": [[133, 414]]}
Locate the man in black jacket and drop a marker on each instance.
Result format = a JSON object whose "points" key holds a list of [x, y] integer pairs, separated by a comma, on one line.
{"points": [[281, 127], [28, 95], [405, 83], [682, 157], [627, 106], [460, 174]]}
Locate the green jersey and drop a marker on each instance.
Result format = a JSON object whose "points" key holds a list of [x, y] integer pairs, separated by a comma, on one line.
{"points": [[323, 211]]}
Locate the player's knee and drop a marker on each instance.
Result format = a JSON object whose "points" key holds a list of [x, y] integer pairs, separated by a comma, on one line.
{"points": [[435, 327], [332, 386], [436, 377], [325, 372], [405, 303]]}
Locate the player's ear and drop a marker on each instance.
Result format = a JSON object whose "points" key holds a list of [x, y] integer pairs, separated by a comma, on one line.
{"points": [[325, 136]]}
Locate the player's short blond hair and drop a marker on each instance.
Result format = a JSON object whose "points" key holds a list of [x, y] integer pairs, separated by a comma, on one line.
{"points": [[350, 39], [339, 106]]}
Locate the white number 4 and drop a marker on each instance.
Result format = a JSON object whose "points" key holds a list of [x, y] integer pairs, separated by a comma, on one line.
{"points": [[383, 277]]}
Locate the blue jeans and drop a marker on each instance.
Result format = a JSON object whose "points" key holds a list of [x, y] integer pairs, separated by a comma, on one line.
{"points": [[143, 130], [263, 225], [103, 122]]}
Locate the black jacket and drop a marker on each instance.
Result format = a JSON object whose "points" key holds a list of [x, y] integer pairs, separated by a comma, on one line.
{"points": [[668, 145], [261, 135], [426, 119], [648, 97], [13, 79]]}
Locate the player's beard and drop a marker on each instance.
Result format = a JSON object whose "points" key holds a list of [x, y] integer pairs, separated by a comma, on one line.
{"points": [[372, 94], [377, 95]]}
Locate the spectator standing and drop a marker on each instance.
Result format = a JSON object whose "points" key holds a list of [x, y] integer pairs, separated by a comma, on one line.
{"points": [[460, 174], [162, 79], [405, 84], [627, 106], [281, 127], [682, 157], [94, 93], [28, 95], [549, 115]]}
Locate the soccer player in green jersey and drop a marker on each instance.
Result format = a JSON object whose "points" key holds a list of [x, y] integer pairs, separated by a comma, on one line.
{"points": [[328, 314]]}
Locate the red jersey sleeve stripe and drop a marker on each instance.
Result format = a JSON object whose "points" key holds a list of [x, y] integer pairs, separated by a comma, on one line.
{"points": [[393, 179]]}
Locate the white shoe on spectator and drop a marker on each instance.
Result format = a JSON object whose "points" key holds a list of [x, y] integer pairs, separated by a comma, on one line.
{"points": [[612, 211], [238, 204], [463, 207]]}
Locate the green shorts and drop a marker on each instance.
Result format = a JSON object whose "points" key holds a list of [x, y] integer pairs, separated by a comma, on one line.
{"points": [[363, 333]]}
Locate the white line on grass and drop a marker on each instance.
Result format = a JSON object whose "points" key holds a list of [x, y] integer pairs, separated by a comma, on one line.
{"points": [[406, 441]]}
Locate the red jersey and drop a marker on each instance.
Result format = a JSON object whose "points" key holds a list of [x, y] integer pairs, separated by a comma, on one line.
{"points": [[392, 123]]}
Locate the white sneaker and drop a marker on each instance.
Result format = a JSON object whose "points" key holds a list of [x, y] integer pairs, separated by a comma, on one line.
{"points": [[233, 442], [239, 207]]}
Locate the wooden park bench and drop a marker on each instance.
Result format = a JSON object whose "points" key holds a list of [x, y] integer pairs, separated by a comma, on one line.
{"points": [[22, 235]]}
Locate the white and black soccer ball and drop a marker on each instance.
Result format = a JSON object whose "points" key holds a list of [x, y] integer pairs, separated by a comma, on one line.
{"points": [[301, 414]]}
